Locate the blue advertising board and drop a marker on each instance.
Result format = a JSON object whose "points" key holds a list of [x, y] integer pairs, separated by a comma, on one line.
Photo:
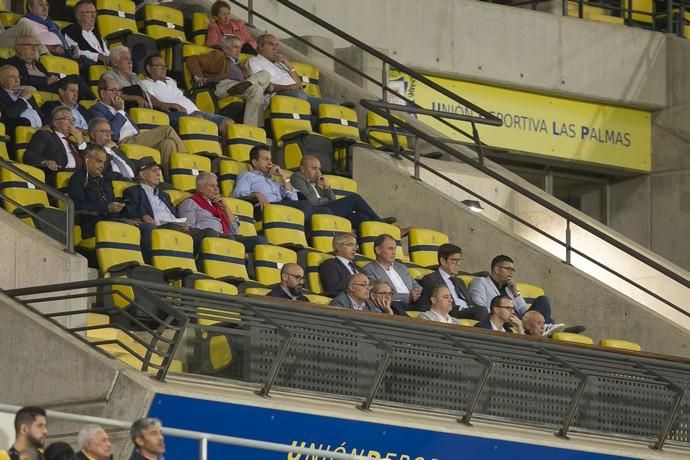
{"points": [[335, 434]]}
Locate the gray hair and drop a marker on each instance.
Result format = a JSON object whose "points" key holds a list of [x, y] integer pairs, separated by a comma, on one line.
{"points": [[94, 122], [116, 51], [351, 279], [262, 38], [229, 39], [140, 426], [203, 177], [86, 434], [92, 149], [57, 110], [377, 283], [341, 238]]}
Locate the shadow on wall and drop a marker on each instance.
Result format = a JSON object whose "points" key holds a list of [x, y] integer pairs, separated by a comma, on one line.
{"points": [[6, 430]]}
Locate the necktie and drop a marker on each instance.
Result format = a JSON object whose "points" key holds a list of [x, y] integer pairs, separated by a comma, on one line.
{"points": [[121, 166], [456, 284], [353, 267], [75, 153]]}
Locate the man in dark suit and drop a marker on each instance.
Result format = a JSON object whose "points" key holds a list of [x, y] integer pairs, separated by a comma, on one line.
{"points": [[68, 94], [291, 282], [17, 102], [83, 33], [53, 149], [334, 272], [149, 204], [449, 258], [356, 295], [381, 295], [118, 166], [503, 317]]}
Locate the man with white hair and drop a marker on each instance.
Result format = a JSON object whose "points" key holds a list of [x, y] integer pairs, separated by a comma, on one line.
{"points": [[147, 436], [84, 35], [94, 444], [127, 80]]}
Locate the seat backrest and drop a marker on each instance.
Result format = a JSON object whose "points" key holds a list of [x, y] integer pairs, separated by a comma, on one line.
{"points": [[60, 65], [199, 28], [288, 115], [117, 243], [320, 299], [268, 260], [570, 337], [199, 135], [210, 316], [8, 19], [312, 261], [369, 230], [283, 225], [4, 455], [530, 292], [341, 186], [227, 174], [119, 186], [172, 249], [423, 246], [244, 211], [148, 118], [163, 22], [221, 257], [324, 227], [622, 344], [185, 167], [309, 75], [380, 133], [96, 71], [191, 49], [136, 152], [241, 138], [16, 189], [115, 15], [22, 136], [3, 143], [337, 121], [177, 196]]}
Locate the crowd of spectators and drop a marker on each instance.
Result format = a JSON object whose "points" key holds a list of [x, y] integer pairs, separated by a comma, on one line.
{"points": [[93, 441]]}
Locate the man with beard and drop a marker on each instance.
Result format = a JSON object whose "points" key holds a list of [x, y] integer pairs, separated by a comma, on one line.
{"points": [[31, 428], [147, 436], [291, 282]]}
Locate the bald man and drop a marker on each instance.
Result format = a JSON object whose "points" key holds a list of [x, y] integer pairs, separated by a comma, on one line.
{"points": [[291, 283]]}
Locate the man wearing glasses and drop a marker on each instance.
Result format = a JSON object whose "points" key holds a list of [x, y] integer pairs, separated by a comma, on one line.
{"points": [[291, 282], [381, 295], [502, 317], [334, 272], [356, 294], [441, 306], [118, 166], [83, 35], [501, 282], [449, 258]]}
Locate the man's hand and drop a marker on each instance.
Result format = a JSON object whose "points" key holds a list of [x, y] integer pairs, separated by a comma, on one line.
{"points": [[76, 134], [141, 102], [383, 302], [103, 59], [217, 200], [174, 107], [115, 207], [323, 183], [56, 49], [52, 79], [260, 198], [27, 92], [148, 219], [184, 226], [512, 284], [283, 60], [50, 164], [414, 294], [515, 321], [199, 81], [118, 103]]}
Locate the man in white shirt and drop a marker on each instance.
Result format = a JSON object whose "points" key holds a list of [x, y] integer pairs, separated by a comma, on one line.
{"points": [[441, 305], [16, 101], [503, 317], [83, 35], [167, 97], [284, 79], [68, 96]]}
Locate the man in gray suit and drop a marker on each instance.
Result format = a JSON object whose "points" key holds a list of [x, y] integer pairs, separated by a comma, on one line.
{"points": [[356, 294], [385, 267]]}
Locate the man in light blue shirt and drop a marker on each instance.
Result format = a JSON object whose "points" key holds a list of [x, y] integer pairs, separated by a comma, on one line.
{"points": [[258, 185]]}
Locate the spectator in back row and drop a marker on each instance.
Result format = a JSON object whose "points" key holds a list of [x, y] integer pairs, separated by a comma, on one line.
{"points": [[223, 25], [147, 436], [406, 289], [533, 323], [502, 316], [31, 431], [291, 283], [83, 35], [46, 31], [127, 80], [333, 273], [94, 444], [17, 103], [223, 68], [68, 96]]}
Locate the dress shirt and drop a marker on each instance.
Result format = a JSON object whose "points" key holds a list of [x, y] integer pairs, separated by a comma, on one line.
{"points": [[71, 162], [358, 306], [279, 74], [347, 263], [254, 181], [234, 70], [167, 91], [453, 292], [161, 213], [398, 284], [44, 36], [128, 128], [95, 43], [119, 165], [30, 113], [199, 217], [448, 319], [79, 120]]}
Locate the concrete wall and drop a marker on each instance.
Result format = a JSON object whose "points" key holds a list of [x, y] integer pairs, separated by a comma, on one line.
{"points": [[497, 44]]}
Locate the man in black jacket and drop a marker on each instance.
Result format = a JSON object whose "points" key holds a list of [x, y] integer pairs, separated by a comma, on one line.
{"points": [[334, 272], [52, 149], [291, 282], [118, 166], [17, 103], [83, 33], [92, 192]]}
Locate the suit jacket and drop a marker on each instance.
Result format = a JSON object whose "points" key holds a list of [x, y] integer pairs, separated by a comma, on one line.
{"points": [[108, 172], [374, 271], [46, 145], [48, 107], [279, 292], [12, 110], [91, 194], [27, 79], [138, 204], [483, 289], [429, 316], [116, 121], [435, 279], [333, 274], [343, 300], [74, 31], [214, 65], [302, 185]]}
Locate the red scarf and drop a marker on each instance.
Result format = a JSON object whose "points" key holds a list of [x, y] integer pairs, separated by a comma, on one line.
{"points": [[217, 211]]}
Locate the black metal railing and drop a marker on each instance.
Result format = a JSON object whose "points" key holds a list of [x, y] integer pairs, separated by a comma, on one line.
{"points": [[375, 359]]}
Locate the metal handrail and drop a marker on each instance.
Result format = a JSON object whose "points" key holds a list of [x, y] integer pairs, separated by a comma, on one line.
{"points": [[202, 437], [384, 109], [68, 232]]}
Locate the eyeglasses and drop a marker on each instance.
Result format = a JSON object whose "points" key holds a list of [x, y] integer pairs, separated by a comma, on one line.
{"points": [[102, 131], [364, 285], [31, 45], [508, 269], [385, 293], [351, 245], [297, 277], [66, 118]]}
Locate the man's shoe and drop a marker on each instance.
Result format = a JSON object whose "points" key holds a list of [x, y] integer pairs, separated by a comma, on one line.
{"points": [[575, 329], [552, 328], [389, 220], [239, 88]]}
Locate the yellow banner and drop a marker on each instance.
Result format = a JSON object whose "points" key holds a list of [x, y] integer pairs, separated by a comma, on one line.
{"points": [[553, 126]]}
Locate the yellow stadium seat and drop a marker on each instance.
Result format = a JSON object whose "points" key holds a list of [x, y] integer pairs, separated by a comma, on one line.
{"points": [[3, 143], [199, 135], [423, 246], [244, 211], [529, 292], [173, 254], [205, 100], [368, 231], [191, 49], [622, 344], [467, 322], [240, 140], [311, 268], [163, 22], [268, 260], [223, 259], [339, 124], [256, 291], [324, 227], [227, 174], [22, 192], [41, 97], [309, 76], [96, 71], [569, 337], [136, 152], [60, 65], [8, 19], [199, 28], [22, 136], [177, 196], [6, 53], [115, 16], [185, 167], [413, 314], [117, 243], [119, 186], [341, 186], [284, 226], [418, 272], [320, 299], [380, 134], [148, 118]]}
